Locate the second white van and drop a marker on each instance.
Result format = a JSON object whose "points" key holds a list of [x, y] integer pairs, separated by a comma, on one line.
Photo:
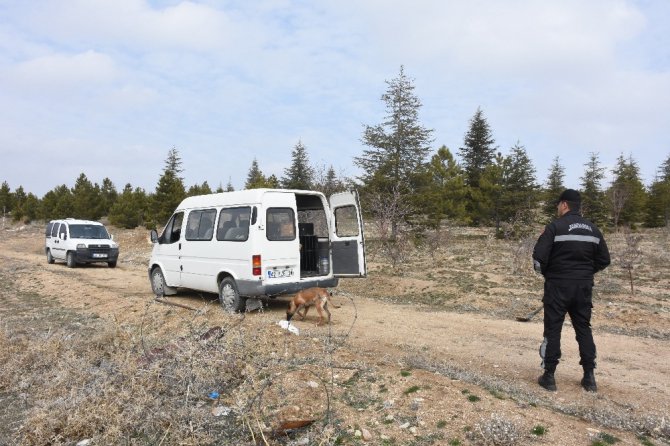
{"points": [[258, 242]]}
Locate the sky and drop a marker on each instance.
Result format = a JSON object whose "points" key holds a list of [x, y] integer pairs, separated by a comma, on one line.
{"points": [[108, 87]]}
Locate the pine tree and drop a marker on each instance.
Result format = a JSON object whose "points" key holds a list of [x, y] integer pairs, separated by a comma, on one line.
{"points": [[31, 208], [86, 199], [627, 196], [129, 209], [272, 182], [444, 191], [299, 175], [593, 196], [657, 210], [326, 181], [520, 180], [19, 200], [170, 190], [255, 178], [399, 145], [553, 189], [478, 151], [488, 203], [108, 196], [398, 148], [199, 189], [6, 198], [57, 203], [229, 186], [519, 195]]}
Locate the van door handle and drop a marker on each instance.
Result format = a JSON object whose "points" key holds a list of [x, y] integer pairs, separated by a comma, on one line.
{"points": [[181, 267], [180, 246]]}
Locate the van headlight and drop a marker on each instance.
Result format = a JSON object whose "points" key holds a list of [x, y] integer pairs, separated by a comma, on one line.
{"points": [[81, 246]]}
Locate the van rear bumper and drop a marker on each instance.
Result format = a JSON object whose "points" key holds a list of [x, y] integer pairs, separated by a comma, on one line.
{"points": [[255, 288]]}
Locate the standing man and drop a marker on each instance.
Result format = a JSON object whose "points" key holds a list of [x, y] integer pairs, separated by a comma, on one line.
{"points": [[568, 253]]}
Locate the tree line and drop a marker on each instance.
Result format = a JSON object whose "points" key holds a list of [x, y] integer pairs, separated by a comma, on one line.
{"points": [[133, 206], [403, 186]]}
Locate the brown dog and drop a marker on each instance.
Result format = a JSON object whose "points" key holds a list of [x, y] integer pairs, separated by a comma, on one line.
{"points": [[311, 297]]}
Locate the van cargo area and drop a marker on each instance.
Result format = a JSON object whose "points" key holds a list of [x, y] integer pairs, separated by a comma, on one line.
{"points": [[313, 236]]}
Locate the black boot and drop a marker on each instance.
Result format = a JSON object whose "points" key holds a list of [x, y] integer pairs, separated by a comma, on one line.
{"points": [[547, 381], [589, 381]]}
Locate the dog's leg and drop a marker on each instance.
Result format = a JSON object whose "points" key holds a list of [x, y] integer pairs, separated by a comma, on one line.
{"points": [[325, 307], [319, 308]]}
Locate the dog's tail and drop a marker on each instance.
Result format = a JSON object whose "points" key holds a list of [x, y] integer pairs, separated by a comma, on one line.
{"points": [[329, 300]]}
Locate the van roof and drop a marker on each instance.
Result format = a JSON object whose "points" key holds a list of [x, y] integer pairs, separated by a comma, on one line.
{"points": [[238, 197], [76, 221]]}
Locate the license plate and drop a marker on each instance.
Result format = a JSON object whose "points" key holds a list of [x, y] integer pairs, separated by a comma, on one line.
{"points": [[97, 255], [279, 273]]}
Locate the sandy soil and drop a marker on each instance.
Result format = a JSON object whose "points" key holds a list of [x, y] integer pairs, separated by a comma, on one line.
{"points": [[471, 345]]}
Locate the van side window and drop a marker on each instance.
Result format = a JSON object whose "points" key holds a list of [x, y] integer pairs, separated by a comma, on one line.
{"points": [[172, 230], [54, 230], [234, 224], [280, 224], [346, 221], [47, 232], [200, 225], [62, 231]]}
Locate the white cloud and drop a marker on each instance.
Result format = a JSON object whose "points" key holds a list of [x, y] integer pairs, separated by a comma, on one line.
{"points": [[133, 24], [60, 70], [224, 82]]}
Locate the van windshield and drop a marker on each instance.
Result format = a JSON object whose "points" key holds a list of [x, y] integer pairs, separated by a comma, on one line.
{"points": [[88, 231]]}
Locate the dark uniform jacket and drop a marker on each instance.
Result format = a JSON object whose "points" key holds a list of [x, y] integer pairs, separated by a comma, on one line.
{"points": [[570, 248]]}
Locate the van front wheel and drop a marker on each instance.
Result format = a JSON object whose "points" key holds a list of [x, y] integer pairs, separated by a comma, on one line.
{"points": [[69, 258], [157, 282], [50, 258], [230, 298]]}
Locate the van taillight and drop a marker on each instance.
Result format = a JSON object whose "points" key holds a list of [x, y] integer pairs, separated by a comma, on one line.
{"points": [[256, 263]]}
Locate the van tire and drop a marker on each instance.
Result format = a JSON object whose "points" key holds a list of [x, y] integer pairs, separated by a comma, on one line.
{"points": [[158, 282], [112, 264], [230, 298], [71, 263], [50, 258]]}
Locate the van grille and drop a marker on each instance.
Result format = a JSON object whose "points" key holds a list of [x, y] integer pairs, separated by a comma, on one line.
{"points": [[98, 249]]}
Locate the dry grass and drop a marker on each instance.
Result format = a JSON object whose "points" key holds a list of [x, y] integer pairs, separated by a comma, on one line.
{"points": [[70, 377]]}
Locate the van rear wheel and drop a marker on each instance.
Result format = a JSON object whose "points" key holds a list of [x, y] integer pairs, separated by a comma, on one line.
{"points": [[230, 298]]}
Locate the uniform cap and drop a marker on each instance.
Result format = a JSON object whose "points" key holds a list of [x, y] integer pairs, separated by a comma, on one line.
{"points": [[570, 195]]}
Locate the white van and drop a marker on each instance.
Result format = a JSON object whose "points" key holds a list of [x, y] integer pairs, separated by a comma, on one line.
{"points": [[258, 242], [79, 241]]}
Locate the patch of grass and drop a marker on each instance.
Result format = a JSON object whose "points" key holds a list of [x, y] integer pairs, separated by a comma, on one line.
{"points": [[473, 398], [607, 438], [405, 373], [465, 391], [412, 389], [441, 424], [497, 394], [644, 441], [539, 430], [455, 442]]}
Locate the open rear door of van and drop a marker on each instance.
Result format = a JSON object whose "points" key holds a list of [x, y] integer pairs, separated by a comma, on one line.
{"points": [[347, 240]]}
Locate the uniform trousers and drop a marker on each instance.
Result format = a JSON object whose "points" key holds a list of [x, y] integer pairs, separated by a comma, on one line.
{"points": [[575, 299]]}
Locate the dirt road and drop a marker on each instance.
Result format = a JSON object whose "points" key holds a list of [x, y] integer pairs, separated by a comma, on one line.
{"points": [[457, 351]]}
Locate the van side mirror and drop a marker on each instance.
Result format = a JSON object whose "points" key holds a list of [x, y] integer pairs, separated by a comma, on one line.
{"points": [[154, 236], [111, 236]]}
